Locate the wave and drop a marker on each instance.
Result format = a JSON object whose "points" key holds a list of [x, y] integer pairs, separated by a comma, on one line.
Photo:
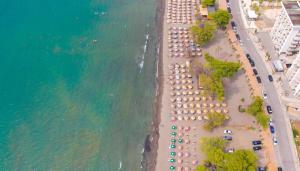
{"points": [[141, 64]]}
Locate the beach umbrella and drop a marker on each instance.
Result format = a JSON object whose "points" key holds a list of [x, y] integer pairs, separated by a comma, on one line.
{"points": [[174, 127], [197, 98], [212, 110], [218, 104], [191, 98], [180, 147], [192, 111], [180, 128], [179, 161], [211, 105], [173, 118], [180, 154], [173, 106], [173, 146], [179, 118], [198, 111], [198, 105], [190, 86], [180, 140], [195, 162], [199, 118], [179, 105], [225, 110], [205, 111], [173, 153], [178, 93], [172, 160], [224, 104], [204, 98], [172, 167], [204, 104], [190, 93], [186, 118], [191, 105], [185, 99], [186, 154], [173, 140], [187, 169], [173, 133], [185, 111], [193, 118], [218, 111], [187, 128], [184, 92]]}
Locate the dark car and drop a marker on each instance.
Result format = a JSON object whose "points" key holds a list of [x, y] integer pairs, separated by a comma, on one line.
{"points": [[233, 24], [238, 36], [229, 9], [258, 79], [269, 109], [256, 148], [248, 56], [272, 129], [261, 169], [255, 72], [252, 63], [227, 1], [229, 138], [270, 78], [279, 169], [256, 142]]}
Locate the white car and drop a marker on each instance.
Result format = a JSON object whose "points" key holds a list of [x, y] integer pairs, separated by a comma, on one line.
{"points": [[264, 94], [275, 142], [227, 131]]}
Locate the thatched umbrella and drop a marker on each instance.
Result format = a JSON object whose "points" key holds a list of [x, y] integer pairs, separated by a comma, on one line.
{"points": [[186, 118], [185, 111], [197, 98], [198, 111], [199, 118], [191, 98], [198, 105], [193, 117], [224, 105]]}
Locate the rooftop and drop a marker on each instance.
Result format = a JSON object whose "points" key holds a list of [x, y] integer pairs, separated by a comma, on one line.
{"points": [[293, 10]]}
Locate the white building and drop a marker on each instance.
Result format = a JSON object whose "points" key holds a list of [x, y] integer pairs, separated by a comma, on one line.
{"points": [[285, 33], [293, 76]]}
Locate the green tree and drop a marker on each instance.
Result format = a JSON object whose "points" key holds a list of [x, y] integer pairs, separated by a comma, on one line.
{"points": [[214, 120], [240, 160], [221, 18], [206, 3], [202, 35], [256, 110], [221, 68]]}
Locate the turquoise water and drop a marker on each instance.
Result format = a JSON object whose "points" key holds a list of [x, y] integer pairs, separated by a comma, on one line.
{"points": [[76, 86]]}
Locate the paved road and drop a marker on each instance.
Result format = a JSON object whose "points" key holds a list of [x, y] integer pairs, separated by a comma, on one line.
{"points": [[284, 148]]}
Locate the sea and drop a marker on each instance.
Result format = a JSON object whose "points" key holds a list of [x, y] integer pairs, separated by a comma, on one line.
{"points": [[77, 83]]}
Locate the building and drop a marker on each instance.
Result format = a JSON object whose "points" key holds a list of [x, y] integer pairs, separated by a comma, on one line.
{"points": [[285, 33], [293, 76]]}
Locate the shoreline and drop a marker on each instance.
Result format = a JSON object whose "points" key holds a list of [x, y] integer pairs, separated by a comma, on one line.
{"points": [[148, 162]]}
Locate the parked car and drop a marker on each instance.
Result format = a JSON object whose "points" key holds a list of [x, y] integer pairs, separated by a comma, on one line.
{"points": [[264, 94], [227, 131], [227, 1], [238, 37], [233, 25], [279, 169], [261, 169], [255, 72], [252, 63], [272, 129], [256, 142], [258, 79], [226, 137], [270, 78], [269, 109], [229, 9], [230, 150], [256, 148], [275, 142]]}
